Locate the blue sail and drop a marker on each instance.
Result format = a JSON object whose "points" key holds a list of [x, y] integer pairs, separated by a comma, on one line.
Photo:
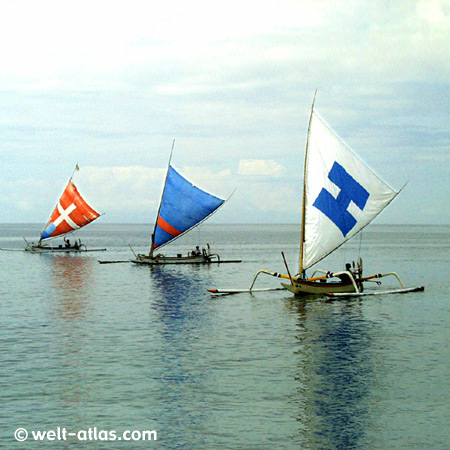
{"points": [[183, 206]]}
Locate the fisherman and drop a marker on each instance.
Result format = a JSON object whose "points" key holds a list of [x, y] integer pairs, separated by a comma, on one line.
{"points": [[67, 243], [345, 278]]}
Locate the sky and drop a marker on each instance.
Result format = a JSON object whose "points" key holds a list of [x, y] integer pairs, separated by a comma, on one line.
{"points": [[110, 85]]}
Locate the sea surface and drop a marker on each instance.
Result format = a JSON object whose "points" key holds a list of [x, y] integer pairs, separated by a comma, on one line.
{"points": [[120, 347]]}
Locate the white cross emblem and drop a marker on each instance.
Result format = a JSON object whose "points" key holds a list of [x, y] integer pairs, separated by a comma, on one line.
{"points": [[64, 215]]}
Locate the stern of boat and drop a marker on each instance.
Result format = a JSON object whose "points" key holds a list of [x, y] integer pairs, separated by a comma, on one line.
{"points": [[301, 288]]}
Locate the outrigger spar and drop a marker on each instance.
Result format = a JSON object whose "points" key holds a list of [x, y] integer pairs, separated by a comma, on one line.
{"points": [[71, 213], [341, 196], [183, 207]]}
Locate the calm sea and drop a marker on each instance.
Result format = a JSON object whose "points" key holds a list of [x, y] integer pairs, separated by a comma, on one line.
{"points": [[121, 347]]}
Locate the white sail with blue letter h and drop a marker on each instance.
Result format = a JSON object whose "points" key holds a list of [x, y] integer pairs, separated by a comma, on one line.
{"points": [[342, 194]]}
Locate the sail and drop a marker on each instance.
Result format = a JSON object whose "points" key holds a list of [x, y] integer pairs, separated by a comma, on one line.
{"points": [[183, 206], [342, 194], [71, 212]]}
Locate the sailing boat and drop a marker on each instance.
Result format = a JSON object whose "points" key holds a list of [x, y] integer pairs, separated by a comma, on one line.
{"points": [[183, 207], [71, 213], [341, 196]]}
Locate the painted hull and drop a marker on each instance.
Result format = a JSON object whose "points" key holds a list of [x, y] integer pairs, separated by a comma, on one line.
{"points": [[163, 260], [146, 260], [301, 287], [82, 249]]}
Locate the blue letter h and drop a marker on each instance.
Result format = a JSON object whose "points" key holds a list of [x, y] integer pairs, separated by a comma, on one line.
{"points": [[336, 208]]}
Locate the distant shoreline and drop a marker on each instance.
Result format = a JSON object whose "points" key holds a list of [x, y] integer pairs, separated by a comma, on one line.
{"points": [[236, 224]]}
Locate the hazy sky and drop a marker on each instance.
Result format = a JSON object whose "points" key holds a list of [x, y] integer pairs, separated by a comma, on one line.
{"points": [[110, 84]]}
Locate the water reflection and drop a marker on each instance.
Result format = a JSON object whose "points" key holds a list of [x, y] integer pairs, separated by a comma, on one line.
{"points": [[183, 325], [70, 354], [175, 295], [71, 276], [335, 373]]}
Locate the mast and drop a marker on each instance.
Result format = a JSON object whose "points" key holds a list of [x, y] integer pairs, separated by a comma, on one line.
{"points": [[77, 167], [160, 203], [302, 235]]}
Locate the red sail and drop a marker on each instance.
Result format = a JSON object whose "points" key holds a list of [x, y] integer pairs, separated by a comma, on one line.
{"points": [[71, 212]]}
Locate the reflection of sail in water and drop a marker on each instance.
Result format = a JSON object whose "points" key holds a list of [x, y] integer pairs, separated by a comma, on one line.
{"points": [[183, 320], [336, 372], [72, 282], [72, 278], [176, 294]]}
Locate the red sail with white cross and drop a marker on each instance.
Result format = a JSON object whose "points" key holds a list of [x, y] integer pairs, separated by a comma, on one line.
{"points": [[71, 212]]}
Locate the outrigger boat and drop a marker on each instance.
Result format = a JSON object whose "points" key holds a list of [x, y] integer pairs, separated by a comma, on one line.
{"points": [[71, 213], [341, 196], [183, 207]]}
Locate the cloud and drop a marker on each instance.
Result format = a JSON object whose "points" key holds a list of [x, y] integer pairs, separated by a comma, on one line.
{"points": [[178, 44], [219, 183], [260, 167], [232, 85], [135, 191], [122, 193]]}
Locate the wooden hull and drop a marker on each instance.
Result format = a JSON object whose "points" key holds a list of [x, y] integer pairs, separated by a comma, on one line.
{"points": [[301, 287], [159, 260], [163, 260], [62, 250]]}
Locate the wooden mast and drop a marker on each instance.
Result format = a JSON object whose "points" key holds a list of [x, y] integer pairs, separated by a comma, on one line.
{"points": [[302, 235], [70, 179], [160, 203]]}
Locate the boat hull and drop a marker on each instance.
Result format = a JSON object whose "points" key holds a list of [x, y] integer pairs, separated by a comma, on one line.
{"points": [[163, 260], [62, 250], [303, 287], [160, 260]]}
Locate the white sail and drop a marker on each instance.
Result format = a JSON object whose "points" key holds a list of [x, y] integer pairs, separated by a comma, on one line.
{"points": [[342, 194]]}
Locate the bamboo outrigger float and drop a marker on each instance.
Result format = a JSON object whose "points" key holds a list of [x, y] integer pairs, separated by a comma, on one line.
{"points": [[330, 289], [183, 207], [341, 196]]}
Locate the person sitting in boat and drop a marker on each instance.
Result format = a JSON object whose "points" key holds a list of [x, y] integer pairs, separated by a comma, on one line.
{"points": [[345, 278], [67, 243], [356, 274], [77, 244]]}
